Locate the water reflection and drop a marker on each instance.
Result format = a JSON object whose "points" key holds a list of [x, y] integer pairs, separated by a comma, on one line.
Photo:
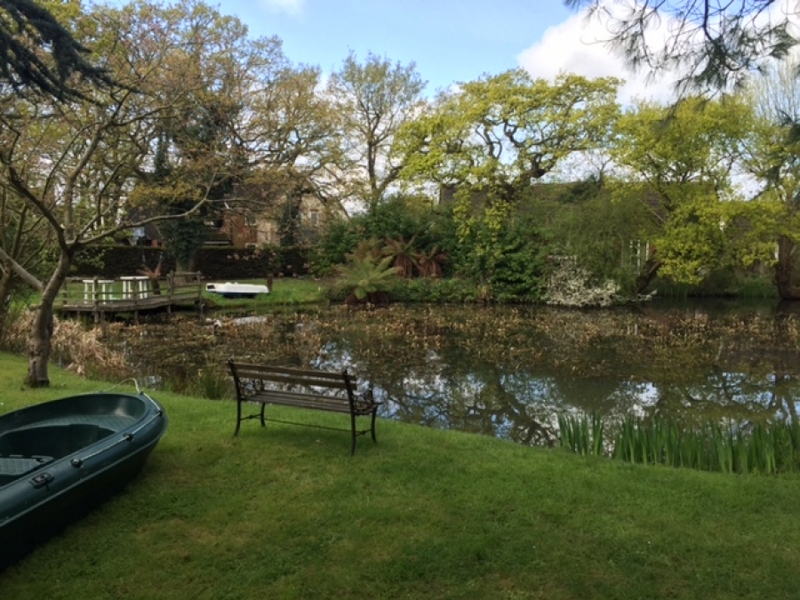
{"points": [[509, 371]]}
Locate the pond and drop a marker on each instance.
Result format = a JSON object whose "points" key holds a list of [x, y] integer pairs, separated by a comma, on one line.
{"points": [[506, 371]]}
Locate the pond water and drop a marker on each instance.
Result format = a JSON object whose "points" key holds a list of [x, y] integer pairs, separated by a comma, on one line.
{"points": [[506, 371]]}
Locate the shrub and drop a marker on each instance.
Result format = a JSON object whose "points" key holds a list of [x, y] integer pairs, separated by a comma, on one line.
{"points": [[569, 284]]}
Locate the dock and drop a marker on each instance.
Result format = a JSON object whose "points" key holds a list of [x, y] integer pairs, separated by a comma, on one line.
{"points": [[99, 297]]}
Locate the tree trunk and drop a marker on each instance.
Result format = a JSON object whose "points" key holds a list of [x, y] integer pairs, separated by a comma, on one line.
{"points": [[42, 332], [6, 281], [785, 277], [647, 274]]}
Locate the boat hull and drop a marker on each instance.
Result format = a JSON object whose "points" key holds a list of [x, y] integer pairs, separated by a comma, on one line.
{"points": [[237, 290], [60, 459]]}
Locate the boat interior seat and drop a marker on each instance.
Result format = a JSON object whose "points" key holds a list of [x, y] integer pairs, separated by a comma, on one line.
{"points": [[16, 466]]}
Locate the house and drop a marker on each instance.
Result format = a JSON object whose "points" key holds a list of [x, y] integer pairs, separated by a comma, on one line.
{"points": [[243, 226]]}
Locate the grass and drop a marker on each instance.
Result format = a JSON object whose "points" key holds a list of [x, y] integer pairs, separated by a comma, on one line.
{"points": [[289, 291], [286, 513], [285, 291]]}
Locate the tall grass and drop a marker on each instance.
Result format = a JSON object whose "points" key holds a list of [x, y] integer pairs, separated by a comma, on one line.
{"points": [[759, 447], [582, 435], [75, 346]]}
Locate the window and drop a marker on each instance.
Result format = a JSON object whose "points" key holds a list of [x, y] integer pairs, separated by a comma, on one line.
{"points": [[313, 216]]}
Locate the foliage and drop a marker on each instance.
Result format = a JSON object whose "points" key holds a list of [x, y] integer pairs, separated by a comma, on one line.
{"points": [[40, 54], [183, 238], [443, 291], [490, 141], [403, 215], [583, 436], [398, 216], [339, 239], [504, 257], [372, 99], [403, 254], [430, 263], [570, 284], [684, 158], [500, 133], [710, 43], [604, 225], [365, 277], [772, 157]]}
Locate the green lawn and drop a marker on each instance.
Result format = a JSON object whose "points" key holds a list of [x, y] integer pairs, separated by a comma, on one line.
{"points": [[287, 513], [285, 291]]}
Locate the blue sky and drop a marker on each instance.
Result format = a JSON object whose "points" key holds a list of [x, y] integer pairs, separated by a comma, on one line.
{"points": [[450, 42]]}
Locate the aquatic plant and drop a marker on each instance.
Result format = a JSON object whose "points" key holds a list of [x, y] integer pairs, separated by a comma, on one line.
{"points": [[760, 447], [582, 435]]}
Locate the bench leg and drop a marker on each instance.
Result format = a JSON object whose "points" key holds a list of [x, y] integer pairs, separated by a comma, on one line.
{"points": [[238, 416], [352, 434], [372, 427]]}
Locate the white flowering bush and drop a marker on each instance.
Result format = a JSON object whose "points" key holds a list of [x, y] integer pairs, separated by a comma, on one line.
{"points": [[570, 284]]}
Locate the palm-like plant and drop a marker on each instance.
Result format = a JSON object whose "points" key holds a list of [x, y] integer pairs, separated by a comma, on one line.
{"points": [[402, 254], [366, 280], [430, 263], [366, 250]]}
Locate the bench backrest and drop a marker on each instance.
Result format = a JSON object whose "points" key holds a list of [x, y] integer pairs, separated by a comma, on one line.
{"points": [[287, 377]]}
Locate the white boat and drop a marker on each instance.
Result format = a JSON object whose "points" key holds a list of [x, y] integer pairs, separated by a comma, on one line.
{"points": [[237, 290]]}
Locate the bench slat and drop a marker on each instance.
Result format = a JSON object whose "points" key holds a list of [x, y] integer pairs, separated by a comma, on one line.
{"points": [[286, 375], [289, 380], [295, 399]]}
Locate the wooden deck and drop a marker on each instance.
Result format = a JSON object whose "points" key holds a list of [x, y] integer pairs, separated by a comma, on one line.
{"points": [[134, 295]]}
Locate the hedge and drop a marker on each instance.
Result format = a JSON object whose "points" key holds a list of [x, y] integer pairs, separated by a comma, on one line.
{"points": [[213, 263]]}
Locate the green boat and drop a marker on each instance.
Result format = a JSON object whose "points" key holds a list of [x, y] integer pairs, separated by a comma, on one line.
{"points": [[59, 459]]}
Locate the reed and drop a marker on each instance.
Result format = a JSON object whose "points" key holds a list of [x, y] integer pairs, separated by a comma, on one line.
{"points": [[582, 435], [759, 447]]}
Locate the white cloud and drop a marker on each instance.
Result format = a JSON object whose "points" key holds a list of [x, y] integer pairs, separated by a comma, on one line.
{"points": [[575, 46], [293, 7]]}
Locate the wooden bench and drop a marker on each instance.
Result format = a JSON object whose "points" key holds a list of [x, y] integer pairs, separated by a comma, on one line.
{"points": [[302, 388]]}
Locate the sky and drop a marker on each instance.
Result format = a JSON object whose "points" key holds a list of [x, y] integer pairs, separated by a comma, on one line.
{"points": [[450, 42]]}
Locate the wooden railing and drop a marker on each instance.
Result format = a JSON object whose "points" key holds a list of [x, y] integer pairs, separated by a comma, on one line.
{"points": [[131, 292]]}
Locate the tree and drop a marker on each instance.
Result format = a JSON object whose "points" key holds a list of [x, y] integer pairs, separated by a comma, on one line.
{"points": [[373, 100], [502, 133], [679, 161], [215, 72], [39, 54], [712, 43], [492, 140], [290, 138], [23, 241], [75, 164], [773, 157]]}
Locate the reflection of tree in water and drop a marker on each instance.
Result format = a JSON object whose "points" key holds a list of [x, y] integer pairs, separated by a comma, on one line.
{"points": [[508, 371]]}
